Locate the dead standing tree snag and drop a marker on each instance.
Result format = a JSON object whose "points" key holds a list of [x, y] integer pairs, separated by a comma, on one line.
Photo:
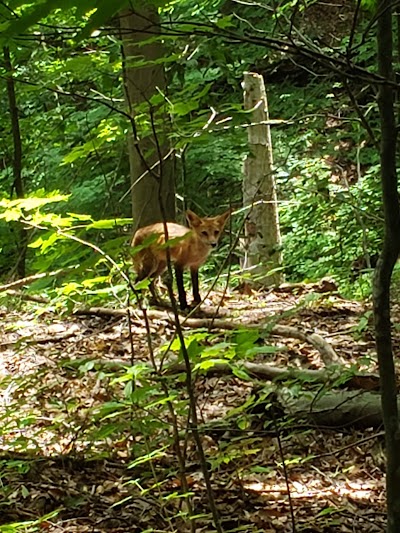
{"points": [[262, 241]]}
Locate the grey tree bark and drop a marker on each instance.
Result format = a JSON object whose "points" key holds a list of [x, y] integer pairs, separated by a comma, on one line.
{"points": [[150, 157], [262, 243]]}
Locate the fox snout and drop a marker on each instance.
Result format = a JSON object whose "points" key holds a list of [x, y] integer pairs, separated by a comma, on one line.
{"points": [[213, 244]]}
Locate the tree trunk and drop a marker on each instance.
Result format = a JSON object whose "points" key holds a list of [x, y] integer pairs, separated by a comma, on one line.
{"points": [[151, 163], [262, 241], [384, 269], [18, 185]]}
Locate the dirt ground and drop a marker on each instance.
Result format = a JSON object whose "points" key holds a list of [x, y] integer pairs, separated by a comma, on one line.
{"points": [[72, 448]]}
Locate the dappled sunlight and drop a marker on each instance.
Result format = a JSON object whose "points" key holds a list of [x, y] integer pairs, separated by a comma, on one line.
{"points": [[66, 404], [363, 491]]}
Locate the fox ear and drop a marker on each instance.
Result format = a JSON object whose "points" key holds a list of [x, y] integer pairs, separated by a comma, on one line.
{"points": [[193, 219], [224, 217]]}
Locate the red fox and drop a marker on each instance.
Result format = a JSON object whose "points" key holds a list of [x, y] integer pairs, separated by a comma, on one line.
{"points": [[190, 251]]}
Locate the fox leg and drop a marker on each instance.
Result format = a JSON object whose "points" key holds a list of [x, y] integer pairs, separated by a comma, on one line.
{"points": [[181, 288], [194, 272], [155, 297], [152, 269]]}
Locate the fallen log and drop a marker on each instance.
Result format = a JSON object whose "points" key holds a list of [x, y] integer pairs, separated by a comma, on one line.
{"points": [[335, 408], [328, 354]]}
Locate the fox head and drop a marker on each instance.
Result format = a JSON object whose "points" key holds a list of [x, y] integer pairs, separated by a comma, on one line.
{"points": [[209, 229]]}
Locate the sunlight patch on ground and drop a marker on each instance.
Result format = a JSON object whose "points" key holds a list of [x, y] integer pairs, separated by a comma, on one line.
{"points": [[360, 491]]}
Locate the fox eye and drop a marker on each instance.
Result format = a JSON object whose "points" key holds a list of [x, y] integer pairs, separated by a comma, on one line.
{"points": [[216, 233], [204, 233]]}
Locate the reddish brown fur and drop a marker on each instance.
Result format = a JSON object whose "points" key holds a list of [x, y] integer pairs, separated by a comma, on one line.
{"points": [[192, 249]]}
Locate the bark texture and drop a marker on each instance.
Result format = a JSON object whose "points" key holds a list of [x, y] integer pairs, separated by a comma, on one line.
{"points": [[151, 163], [18, 185], [262, 241], [384, 269]]}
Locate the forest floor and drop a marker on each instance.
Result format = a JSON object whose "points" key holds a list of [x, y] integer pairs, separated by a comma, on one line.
{"points": [[67, 459]]}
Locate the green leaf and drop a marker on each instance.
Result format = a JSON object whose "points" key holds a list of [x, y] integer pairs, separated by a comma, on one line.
{"points": [[224, 22], [329, 511], [142, 284], [84, 6], [86, 367], [243, 423], [184, 108], [45, 244], [92, 282], [156, 454], [209, 363], [79, 216], [133, 372], [24, 491], [31, 203], [109, 223], [83, 151], [240, 373], [32, 16], [104, 12]]}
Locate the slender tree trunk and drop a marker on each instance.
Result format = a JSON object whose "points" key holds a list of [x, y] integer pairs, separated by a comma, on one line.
{"points": [[262, 241], [383, 272], [151, 163], [18, 185], [397, 14]]}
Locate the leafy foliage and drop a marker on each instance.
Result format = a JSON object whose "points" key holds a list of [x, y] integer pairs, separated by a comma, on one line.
{"points": [[63, 242], [74, 124], [327, 167]]}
